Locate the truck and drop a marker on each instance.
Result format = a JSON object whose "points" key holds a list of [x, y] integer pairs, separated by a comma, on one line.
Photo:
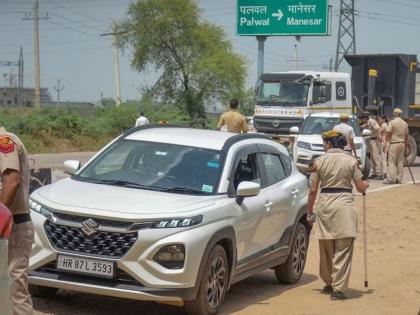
{"points": [[284, 99], [378, 83]]}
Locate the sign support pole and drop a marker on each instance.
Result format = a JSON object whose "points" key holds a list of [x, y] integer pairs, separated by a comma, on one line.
{"points": [[261, 40]]}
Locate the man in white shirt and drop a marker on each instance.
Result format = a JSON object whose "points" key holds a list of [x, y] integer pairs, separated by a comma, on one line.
{"points": [[142, 120], [348, 132]]}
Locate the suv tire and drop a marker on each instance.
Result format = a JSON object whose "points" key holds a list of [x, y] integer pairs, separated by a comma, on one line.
{"points": [[291, 271], [45, 292], [213, 284]]}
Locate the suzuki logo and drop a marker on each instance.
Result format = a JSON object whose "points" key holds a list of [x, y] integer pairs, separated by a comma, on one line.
{"points": [[89, 227]]}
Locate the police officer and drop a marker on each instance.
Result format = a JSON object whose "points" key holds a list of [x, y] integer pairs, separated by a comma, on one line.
{"points": [[232, 120], [14, 171], [374, 145], [397, 143], [383, 124], [348, 132], [335, 216]]}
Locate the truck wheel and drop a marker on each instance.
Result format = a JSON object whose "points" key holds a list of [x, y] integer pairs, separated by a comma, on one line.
{"points": [[213, 285], [45, 292], [291, 271], [413, 151], [416, 136]]}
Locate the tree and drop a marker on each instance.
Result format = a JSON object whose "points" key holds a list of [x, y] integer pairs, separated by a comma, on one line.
{"points": [[248, 102], [194, 60]]}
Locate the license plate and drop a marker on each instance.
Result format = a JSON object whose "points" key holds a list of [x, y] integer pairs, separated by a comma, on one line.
{"points": [[86, 266]]}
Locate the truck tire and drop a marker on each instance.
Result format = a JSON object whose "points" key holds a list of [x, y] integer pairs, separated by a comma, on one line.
{"points": [[416, 136], [413, 151], [291, 271]]}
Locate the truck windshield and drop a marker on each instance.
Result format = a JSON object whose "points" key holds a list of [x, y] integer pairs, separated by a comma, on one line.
{"points": [[286, 93], [318, 125]]}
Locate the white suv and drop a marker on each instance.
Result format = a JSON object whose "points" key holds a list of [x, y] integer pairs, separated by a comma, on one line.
{"points": [[171, 214], [308, 144]]}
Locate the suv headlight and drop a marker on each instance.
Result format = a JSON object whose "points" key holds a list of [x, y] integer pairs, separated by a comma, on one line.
{"points": [[176, 223], [37, 207], [171, 256], [304, 145]]}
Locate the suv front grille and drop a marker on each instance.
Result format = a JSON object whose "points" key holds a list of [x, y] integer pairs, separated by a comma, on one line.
{"points": [[102, 243]]}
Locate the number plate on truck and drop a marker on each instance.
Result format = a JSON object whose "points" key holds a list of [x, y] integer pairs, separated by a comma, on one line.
{"points": [[85, 265]]}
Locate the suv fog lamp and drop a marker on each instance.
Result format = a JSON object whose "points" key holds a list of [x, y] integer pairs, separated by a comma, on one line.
{"points": [[171, 256], [174, 223]]}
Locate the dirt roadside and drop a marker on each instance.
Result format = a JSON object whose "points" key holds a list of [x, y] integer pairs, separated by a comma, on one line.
{"points": [[394, 274]]}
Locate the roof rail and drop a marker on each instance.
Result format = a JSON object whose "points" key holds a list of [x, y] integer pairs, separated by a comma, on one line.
{"points": [[244, 136], [150, 126]]}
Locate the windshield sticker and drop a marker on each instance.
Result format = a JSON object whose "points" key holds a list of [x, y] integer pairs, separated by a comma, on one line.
{"points": [[207, 188], [213, 164], [162, 153]]}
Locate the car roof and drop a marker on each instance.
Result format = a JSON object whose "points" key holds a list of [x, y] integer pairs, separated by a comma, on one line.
{"points": [[200, 138]]}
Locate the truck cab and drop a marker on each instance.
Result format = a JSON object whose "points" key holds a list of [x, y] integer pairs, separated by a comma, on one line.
{"points": [[285, 98]]}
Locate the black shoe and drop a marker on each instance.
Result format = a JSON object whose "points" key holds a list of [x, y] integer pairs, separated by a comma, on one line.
{"points": [[379, 177], [327, 289], [372, 177], [338, 295], [388, 182]]}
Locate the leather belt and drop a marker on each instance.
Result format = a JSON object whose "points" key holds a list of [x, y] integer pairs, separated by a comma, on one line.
{"points": [[335, 190], [395, 142], [21, 218]]}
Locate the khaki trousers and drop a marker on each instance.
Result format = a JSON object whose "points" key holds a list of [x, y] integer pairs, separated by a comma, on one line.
{"points": [[383, 159], [20, 246], [375, 157], [396, 161], [335, 262]]}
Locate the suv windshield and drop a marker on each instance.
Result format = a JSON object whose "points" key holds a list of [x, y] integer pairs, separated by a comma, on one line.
{"points": [[288, 93], [318, 125], [156, 166]]}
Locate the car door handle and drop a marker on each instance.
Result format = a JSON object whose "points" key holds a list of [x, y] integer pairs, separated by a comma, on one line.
{"points": [[294, 192], [268, 205]]}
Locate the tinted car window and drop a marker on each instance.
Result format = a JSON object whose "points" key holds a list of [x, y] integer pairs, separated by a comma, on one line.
{"points": [[246, 170], [274, 168], [156, 166]]}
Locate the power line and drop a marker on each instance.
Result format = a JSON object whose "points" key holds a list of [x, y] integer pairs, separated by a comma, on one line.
{"points": [[77, 22], [72, 29], [76, 11]]}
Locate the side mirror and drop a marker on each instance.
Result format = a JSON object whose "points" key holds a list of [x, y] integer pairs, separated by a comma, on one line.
{"points": [[247, 189], [294, 130], [71, 166], [366, 133]]}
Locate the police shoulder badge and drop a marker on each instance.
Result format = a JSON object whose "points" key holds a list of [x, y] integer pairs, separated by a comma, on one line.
{"points": [[6, 145]]}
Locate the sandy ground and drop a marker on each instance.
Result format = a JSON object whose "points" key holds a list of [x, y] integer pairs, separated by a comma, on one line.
{"points": [[394, 274]]}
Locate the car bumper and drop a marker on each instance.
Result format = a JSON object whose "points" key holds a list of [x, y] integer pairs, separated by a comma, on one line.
{"points": [[304, 159], [138, 276]]}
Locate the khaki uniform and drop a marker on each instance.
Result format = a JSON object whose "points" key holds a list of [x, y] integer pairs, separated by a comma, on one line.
{"points": [[13, 156], [398, 129], [384, 160], [375, 157], [336, 216], [234, 121]]}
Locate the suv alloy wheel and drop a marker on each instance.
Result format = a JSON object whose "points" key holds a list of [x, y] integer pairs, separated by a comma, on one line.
{"points": [[213, 285], [291, 271]]}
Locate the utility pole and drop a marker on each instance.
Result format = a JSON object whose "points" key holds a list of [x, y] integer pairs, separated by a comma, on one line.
{"points": [[260, 70], [36, 56], [346, 40], [58, 89], [116, 68], [331, 64], [117, 81], [37, 71], [296, 58], [20, 78]]}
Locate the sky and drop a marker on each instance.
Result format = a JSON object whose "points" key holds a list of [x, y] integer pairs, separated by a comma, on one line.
{"points": [[73, 50]]}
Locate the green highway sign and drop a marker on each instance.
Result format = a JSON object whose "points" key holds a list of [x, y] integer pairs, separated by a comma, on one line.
{"points": [[282, 17]]}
